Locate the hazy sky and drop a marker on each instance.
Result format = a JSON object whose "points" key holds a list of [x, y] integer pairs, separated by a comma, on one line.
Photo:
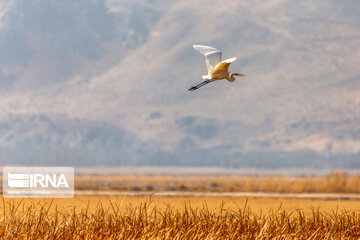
{"points": [[111, 78]]}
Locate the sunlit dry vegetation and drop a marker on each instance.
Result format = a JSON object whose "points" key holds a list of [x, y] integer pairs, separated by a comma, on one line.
{"points": [[124, 217], [335, 183], [145, 221]]}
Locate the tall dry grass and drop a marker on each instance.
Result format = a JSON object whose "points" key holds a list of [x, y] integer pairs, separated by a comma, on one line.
{"points": [[147, 222]]}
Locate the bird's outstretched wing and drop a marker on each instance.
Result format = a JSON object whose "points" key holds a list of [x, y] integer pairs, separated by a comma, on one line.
{"points": [[229, 60], [212, 56]]}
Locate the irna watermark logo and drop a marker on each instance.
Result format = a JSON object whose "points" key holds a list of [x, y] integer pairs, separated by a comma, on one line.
{"points": [[38, 182]]}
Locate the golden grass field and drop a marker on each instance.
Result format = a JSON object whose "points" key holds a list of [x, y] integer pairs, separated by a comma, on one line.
{"points": [[124, 217], [179, 218]]}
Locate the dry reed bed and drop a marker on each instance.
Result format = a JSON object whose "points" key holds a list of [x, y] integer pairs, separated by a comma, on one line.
{"points": [[335, 183], [147, 222]]}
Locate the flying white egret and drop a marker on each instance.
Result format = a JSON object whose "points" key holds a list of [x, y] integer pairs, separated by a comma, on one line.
{"points": [[217, 69]]}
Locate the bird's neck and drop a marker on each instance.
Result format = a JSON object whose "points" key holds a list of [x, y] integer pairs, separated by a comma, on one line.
{"points": [[230, 77]]}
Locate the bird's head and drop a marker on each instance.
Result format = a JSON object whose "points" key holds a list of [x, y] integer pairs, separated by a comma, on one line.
{"points": [[239, 75]]}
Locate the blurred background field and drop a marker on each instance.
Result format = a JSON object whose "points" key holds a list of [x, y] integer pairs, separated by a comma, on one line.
{"points": [[217, 180], [264, 189], [339, 182]]}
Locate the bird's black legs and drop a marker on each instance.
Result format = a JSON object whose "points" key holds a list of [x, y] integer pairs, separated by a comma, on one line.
{"points": [[200, 85]]}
